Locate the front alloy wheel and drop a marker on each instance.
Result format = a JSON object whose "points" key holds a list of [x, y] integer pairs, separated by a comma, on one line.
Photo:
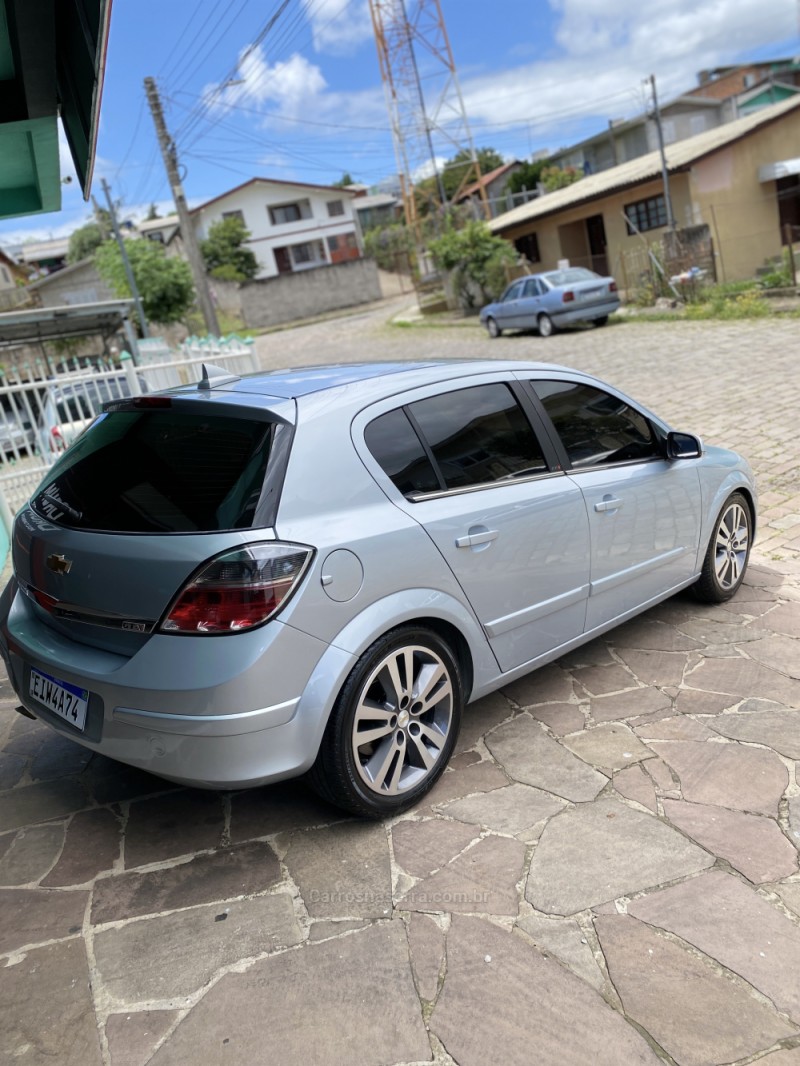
{"points": [[492, 328], [728, 552], [394, 725]]}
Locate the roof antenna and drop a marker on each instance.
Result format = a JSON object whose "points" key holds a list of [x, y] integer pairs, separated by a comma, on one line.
{"points": [[215, 375]]}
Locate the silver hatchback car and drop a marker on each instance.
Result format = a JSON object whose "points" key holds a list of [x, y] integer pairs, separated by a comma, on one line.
{"points": [[313, 570]]}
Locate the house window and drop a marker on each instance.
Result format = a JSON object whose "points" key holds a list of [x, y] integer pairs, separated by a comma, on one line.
{"points": [[529, 247], [697, 124], [310, 253], [646, 214], [280, 214], [239, 215], [156, 235], [668, 130], [335, 208]]}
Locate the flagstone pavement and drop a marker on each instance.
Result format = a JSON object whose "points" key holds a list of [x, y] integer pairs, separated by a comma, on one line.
{"points": [[606, 874]]}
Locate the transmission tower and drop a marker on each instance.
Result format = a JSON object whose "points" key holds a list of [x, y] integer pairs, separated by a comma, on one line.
{"points": [[423, 95]]}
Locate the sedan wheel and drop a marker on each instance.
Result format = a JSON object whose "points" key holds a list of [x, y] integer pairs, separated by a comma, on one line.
{"points": [[728, 552], [492, 328], [393, 727], [545, 326]]}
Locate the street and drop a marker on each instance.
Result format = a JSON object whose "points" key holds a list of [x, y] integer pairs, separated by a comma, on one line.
{"points": [[606, 875]]}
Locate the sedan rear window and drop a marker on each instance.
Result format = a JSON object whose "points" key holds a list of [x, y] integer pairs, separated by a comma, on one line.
{"points": [[162, 471]]}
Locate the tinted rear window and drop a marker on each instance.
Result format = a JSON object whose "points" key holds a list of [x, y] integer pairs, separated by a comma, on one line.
{"points": [[162, 471]]}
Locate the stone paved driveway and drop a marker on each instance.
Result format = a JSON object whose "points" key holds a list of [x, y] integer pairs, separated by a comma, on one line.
{"points": [[607, 874]]}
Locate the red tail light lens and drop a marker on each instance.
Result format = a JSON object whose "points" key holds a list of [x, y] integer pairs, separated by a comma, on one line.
{"points": [[568, 297], [612, 287], [238, 590]]}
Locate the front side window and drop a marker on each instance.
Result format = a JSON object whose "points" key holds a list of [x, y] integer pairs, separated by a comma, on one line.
{"points": [[595, 427], [514, 292], [478, 436]]}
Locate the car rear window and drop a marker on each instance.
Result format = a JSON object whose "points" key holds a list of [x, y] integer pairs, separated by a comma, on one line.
{"points": [[159, 471]]}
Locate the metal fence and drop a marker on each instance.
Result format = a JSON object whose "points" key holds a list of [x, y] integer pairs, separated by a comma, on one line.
{"points": [[41, 413]]}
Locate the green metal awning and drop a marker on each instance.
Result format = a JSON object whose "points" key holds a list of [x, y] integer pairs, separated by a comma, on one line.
{"points": [[52, 62]]}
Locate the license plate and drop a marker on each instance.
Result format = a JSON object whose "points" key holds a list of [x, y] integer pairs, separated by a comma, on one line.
{"points": [[67, 701]]}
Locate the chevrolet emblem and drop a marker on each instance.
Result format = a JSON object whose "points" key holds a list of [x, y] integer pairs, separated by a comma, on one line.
{"points": [[59, 564]]}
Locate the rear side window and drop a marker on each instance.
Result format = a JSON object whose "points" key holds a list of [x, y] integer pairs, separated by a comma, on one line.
{"points": [[594, 426], [396, 446], [162, 471], [457, 440]]}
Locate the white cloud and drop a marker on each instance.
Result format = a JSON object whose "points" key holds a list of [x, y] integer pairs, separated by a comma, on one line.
{"points": [[339, 26], [290, 85], [607, 50]]}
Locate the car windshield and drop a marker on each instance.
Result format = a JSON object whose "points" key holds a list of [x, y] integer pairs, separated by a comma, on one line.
{"points": [[556, 278], [159, 471]]}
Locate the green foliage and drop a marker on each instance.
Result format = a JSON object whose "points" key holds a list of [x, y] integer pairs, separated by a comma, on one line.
{"points": [[164, 283], [475, 258], [527, 177], [747, 304], [152, 214], [223, 248], [452, 175], [390, 246], [345, 179], [84, 242], [557, 178]]}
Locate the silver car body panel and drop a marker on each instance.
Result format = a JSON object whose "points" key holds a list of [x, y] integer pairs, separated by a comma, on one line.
{"points": [[251, 707]]}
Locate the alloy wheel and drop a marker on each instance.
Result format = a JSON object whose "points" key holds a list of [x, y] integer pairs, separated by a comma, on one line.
{"points": [[731, 546]]}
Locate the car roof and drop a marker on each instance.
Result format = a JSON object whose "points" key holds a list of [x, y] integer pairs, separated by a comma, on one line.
{"points": [[296, 382]]}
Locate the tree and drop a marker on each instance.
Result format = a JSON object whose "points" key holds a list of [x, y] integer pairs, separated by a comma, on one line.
{"points": [[345, 179], [392, 247], [222, 250], [475, 258], [84, 242], [452, 174], [527, 177], [152, 213], [164, 283], [456, 169], [555, 178]]}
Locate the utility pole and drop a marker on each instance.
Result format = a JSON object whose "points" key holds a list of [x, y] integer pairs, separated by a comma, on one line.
{"points": [[125, 261], [664, 171], [170, 155]]}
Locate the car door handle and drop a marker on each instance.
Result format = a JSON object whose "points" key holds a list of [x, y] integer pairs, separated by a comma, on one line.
{"points": [[483, 536], [608, 503]]}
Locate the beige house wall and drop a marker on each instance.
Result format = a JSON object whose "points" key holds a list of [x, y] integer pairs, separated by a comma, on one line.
{"points": [[721, 191], [742, 211]]}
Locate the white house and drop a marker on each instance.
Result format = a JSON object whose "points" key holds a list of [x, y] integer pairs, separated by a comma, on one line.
{"points": [[293, 226]]}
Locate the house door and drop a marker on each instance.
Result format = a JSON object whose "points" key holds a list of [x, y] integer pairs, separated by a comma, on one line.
{"points": [[596, 232], [283, 261]]}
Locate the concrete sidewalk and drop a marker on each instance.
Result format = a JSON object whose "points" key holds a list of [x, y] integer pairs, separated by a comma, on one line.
{"points": [[606, 875]]}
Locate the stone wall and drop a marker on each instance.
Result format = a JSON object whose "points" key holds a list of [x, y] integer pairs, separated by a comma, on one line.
{"points": [[289, 297]]}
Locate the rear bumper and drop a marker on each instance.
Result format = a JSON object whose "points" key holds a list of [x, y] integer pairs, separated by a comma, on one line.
{"points": [[586, 312], [209, 712]]}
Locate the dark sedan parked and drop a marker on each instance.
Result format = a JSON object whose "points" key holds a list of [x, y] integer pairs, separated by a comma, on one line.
{"points": [[545, 302]]}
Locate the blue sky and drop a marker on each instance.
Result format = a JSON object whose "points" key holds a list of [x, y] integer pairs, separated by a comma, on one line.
{"points": [[307, 103]]}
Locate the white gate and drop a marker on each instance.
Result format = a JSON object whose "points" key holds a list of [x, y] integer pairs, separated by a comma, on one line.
{"points": [[41, 414]]}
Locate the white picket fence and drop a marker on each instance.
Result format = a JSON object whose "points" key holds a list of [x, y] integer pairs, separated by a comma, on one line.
{"points": [[31, 399]]}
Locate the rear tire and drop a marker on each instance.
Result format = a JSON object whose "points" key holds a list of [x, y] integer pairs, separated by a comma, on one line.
{"points": [[493, 329], [393, 727], [545, 326], [728, 552]]}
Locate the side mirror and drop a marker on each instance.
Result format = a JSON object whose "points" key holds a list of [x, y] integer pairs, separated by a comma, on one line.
{"points": [[683, 446]]}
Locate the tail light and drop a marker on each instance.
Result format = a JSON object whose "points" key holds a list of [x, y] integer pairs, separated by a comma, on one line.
{"points": [[612, 287], [568, 297], [56, 440], [238, 590]]}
